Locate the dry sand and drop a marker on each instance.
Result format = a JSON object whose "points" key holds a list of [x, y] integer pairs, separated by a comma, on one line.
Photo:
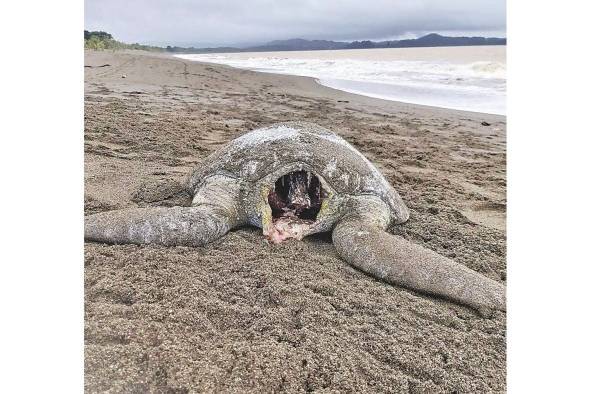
{"points": [[242, 315]]}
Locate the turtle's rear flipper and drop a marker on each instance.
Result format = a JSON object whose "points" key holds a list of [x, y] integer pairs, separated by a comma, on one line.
{"points": [[395, 260]]}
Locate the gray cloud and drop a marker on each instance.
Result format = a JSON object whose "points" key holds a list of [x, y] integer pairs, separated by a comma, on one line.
{"points": [[211, 22]]}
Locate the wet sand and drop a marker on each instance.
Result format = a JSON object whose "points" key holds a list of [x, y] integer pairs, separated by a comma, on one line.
{"points": [[241, 315]]}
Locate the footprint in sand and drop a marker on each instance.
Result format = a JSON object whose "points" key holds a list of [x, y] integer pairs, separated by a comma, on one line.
{"points": [[488, 214]]}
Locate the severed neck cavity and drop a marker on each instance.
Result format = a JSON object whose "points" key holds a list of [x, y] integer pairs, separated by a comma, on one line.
{"points": [[295, 201]]}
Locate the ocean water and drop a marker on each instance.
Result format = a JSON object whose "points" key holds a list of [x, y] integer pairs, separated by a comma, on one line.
{"points": [[464, 78]]}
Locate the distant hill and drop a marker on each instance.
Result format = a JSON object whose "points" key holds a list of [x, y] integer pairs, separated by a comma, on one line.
{"points": [[297, 44], [103, 40], [436, 40], [300, 44]]}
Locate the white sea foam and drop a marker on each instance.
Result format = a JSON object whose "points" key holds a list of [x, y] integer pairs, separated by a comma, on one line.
{"points": [[466, 78]]}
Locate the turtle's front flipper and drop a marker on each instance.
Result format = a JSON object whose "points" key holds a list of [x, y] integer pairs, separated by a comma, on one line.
{"points": [[364, 243], [190, 226], [213, 214]]}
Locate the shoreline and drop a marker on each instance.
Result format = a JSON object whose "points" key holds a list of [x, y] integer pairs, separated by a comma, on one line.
{"points": [[381, 97], [241, 315], [361, 98], [413, 91]]}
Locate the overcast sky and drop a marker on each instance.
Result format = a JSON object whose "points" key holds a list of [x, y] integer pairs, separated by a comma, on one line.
{"points": [[245, 22]]}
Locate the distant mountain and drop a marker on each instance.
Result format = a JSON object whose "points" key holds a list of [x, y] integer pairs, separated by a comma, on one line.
{"points": [[297, 44], [436, 40], [300, 44]]}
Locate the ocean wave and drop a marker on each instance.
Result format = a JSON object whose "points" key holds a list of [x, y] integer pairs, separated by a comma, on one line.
{"points": [[452, 81]]}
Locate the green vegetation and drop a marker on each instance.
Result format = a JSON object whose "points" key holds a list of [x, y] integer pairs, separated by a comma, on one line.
{"points": [[100, 40]]}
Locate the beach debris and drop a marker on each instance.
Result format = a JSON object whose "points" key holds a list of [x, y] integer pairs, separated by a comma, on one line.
{"points": [[124, 76], [292, 180], [103, 65], [484, 123]]}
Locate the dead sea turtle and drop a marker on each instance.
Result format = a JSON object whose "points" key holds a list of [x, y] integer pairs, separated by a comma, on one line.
{"points": [[292, 180]]}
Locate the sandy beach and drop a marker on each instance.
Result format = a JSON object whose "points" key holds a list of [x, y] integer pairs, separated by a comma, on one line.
{"points": [[242, 315]]}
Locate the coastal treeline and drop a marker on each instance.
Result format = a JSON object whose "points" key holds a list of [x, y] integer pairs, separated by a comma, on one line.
{"points": [[99, 40]]}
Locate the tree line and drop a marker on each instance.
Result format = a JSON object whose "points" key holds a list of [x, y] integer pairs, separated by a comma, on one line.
{"points": [[100, 40]]}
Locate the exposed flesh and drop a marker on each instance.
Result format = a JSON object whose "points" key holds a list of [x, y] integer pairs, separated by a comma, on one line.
{"points": [[295, 201]]}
